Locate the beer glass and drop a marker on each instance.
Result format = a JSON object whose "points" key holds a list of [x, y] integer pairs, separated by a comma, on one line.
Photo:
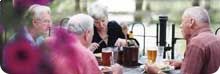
{"points": [[106, 56], [160, 50], [152, 55], [115, 52]]}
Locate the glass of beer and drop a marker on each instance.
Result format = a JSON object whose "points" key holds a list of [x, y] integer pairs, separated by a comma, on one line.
{"points": [[106, 56], [152, 55], [115, 52]]}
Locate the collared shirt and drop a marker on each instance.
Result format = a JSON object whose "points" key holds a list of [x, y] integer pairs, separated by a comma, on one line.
{"points": [[202, 55], [21, 41], [25, 34], [69, 56], [78, 61]]}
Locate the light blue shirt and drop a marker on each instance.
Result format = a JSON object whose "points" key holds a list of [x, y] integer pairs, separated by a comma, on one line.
{"points": [[24, 32]]}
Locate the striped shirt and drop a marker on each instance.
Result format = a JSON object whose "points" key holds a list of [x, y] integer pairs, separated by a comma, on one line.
{"points": [[202, 55]]}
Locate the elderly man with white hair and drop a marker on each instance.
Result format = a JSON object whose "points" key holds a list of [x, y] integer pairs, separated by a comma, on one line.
{"points": [[202, 51], [35, 24], [106, 33], [82, 26], [21, 48]]}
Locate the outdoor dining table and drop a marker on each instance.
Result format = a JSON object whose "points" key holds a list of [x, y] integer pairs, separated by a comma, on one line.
{"points": [[140, 70]]}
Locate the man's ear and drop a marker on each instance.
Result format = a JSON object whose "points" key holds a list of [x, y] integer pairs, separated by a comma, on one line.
{"points": [[86, 36], [192, 23], [34, 23]]}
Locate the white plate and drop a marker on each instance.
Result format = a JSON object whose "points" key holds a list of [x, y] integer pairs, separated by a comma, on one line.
{"points": [[142, 66], [162, 66], [168, 69]]}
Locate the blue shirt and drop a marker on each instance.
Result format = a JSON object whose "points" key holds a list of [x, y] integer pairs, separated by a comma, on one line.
{"points": [[24, 33]]}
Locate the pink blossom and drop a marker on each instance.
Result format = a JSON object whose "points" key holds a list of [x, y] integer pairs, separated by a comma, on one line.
{"points": [[20, 57]]}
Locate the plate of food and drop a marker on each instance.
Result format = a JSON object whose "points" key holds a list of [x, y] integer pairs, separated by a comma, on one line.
{"points": [[165, 67]]}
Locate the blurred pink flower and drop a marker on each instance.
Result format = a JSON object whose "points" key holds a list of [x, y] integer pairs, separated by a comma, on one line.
{"points": [[27, 3], [21, 58], [63, 45], [61, 39], [68, 55], [21, 5]]}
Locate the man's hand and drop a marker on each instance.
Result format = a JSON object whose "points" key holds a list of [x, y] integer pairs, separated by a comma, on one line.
{"points": [[151, 69], [175, 63], [117, 69], [121, 42], [93, 47]]}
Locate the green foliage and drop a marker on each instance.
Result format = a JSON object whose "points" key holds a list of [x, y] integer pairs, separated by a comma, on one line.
{"points": [[8, 17], [61, 9]]}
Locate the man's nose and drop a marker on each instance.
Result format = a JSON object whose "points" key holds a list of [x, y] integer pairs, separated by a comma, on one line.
{"points": [[50, 24]]}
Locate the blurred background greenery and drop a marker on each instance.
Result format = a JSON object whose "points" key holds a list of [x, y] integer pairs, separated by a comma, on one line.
{"points": [[139, 10], [146, 11]]}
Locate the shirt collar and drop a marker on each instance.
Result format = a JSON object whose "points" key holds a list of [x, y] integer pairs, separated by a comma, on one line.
{"points": [[194, 34], [28, 36]]}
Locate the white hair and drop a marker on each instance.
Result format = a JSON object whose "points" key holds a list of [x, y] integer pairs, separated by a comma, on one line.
{"points": [[34, 12], [198, 13], [80, 23], [98, 11], [37, 9]]}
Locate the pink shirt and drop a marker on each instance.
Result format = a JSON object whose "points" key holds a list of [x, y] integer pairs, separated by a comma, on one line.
{"points": [[202, 55], [68, 56], [78, 61]]}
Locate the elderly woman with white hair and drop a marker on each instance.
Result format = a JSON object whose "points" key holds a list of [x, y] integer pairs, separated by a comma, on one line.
{"points": [[106, 33]]}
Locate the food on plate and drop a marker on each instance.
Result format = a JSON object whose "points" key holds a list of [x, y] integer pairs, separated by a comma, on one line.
{"points": [[164, 67]]}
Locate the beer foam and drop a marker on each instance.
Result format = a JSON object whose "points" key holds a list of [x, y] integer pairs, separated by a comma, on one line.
{"points": [[153, 49], [106, 50]]}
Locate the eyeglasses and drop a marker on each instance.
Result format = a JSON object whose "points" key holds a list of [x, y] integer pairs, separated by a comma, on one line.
{"points": [[44, 21]]}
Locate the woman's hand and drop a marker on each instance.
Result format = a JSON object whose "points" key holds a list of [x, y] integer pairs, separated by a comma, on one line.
{"points": [[121, 42], [93, 47]]}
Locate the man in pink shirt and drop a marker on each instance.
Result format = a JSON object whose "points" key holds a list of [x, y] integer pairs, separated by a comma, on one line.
{"points": [[203, 49], [68, 56], [68, 48]]}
